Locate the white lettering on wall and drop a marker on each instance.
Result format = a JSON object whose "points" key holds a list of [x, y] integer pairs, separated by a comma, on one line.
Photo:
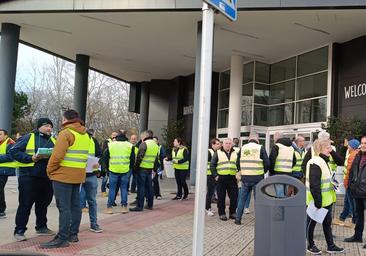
{"points": [[354, 91]]}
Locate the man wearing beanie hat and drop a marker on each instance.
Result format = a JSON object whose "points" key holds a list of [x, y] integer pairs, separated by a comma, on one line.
{"points": [[33, 184], [349, 206]]}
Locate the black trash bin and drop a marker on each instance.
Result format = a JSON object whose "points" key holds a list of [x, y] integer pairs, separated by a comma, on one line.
{"points": [[280, 222]]}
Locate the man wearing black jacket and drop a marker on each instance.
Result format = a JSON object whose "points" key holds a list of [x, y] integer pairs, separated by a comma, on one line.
{"points": [[358, 189], [33, 183]]}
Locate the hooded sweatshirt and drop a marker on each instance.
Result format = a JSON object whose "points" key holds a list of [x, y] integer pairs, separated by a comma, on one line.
{"points": [[65, 139]]}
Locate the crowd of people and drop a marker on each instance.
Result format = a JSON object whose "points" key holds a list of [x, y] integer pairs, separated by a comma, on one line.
{"points": [[127, 165]]}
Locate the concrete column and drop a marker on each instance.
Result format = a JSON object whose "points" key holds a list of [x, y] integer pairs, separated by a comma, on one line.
{"points": [[81, 84], [197, 76], [144, 107], [8, 68], [236, 81]]}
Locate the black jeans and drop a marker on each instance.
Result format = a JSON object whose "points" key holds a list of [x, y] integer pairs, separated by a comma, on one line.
{"points": [[3, 180], [180, 178], [211, 185], [327, 228], [360, 209], [144, 188], [227, 183], [68, 204], [37, 191], [156, 185]]}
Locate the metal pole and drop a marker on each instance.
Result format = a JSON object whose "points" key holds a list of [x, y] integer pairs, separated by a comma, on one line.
{"points": [[197, 78], [144, 107], [203, 127]]}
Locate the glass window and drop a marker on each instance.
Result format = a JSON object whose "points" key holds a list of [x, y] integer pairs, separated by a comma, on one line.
{"points": [[260, 115], [223, 118], [312, 86], [224, 99], [313, 61], [281, 115], [261, 72], [247, 96], [261, 94], [312, 111], [225, 80], [246, 115], [283, 70], [282, 92], [248, 72]]}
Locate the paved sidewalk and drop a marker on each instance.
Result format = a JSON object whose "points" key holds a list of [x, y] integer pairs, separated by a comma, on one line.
{"points": [[167, 230]]}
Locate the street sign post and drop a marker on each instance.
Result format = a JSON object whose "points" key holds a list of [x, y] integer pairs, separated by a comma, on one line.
{"points": [[226, 7]]}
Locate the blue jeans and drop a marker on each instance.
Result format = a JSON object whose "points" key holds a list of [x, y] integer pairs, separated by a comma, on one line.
{"points": [[244, 197], [88, 192], [68, 204], [104, 183], [123, 186], [144, 188], [281, 190], [349, 207]]}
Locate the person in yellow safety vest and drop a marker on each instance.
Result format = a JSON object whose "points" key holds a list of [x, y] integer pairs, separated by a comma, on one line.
{"points": [[299, 149], [7, 167], [119, 158], [67, 170], [133, 186], [236, 145], [224, 168], [320, 192], [211, 182], [335, 159], [35, 188], [281, 161], [180, 158], [146, 162], [159, 171], [253, 163]]}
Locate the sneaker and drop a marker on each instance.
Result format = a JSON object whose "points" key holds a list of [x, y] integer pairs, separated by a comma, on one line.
{"points": [[73, 238], [19, 237], [246, 211], [353, 239], [223, 217], [210, 213], [177, 198], [313, 250], [185, 197], [96, 229], [158, 198], [136, 209], [104, 194], [2, 215], [124, 209], [237, 222], [334, 249], [109, 210], [85, 210], [45, 232], [338, 222], [55, 243]]}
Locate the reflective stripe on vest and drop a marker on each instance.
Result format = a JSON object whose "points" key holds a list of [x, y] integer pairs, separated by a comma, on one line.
{"points": [[211, 152], [119, 156], [152, 150], [30, 149], [226, 166], [3, 148], [326, 186], [92, 153], [250, 160], [284, 159], [299, 160], [179, 156], [77, 155], [345, 164]]}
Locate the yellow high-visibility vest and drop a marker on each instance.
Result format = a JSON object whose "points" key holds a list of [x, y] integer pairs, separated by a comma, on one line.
{"points": [[3, 148], [179, 156], [119, 156], [250, 161], [77, 155], [226, 166], [327, 189], [152, 151], [211, 152], [284, 159]]}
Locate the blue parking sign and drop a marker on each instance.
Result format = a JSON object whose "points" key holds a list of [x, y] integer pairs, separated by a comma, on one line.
{"points": [[226, 7]]}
